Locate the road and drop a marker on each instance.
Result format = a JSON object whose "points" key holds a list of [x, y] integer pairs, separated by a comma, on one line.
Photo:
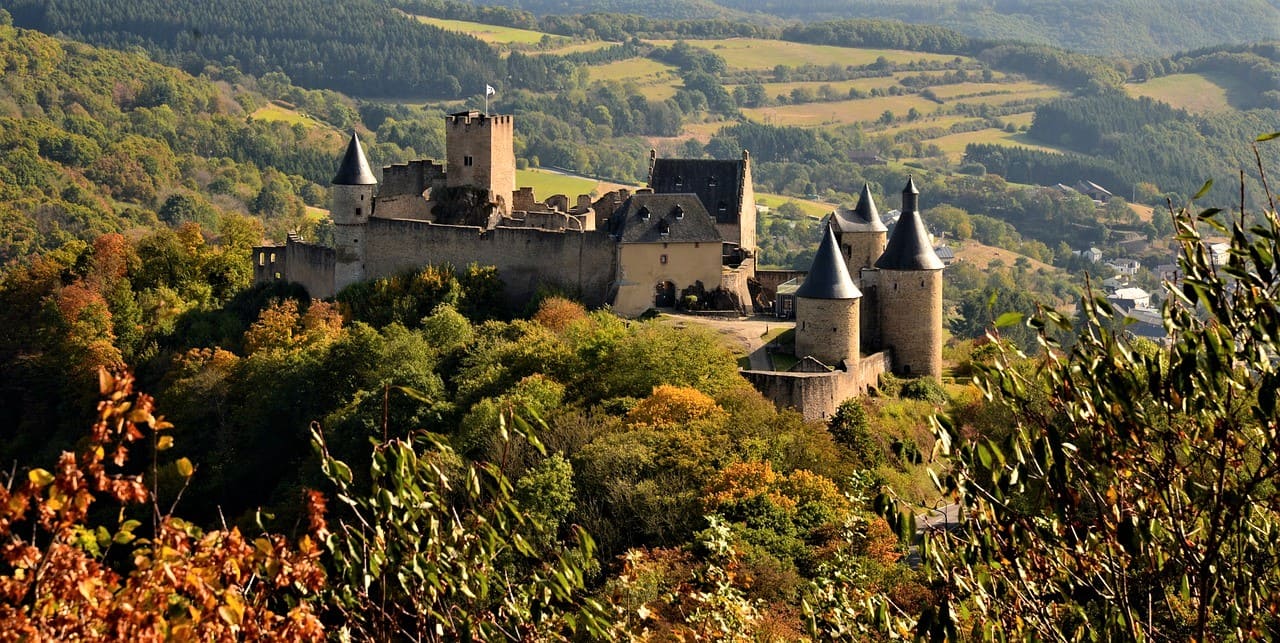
{"points": [[744, 335]]}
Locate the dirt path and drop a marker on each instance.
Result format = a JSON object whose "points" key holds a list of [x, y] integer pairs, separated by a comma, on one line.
{"points": [[745, 335]]}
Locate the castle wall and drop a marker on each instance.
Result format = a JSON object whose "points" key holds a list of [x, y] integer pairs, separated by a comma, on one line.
{"points": [[862, 249], [769, 280], [645, 265], [526, 258], [746, 232], [817, 395], [312, 266], [869, 319], [307, 264], [827, 329], [911, 320]]}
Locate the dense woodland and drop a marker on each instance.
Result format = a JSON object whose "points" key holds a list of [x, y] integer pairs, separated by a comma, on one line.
{"points": [[194, 456]]}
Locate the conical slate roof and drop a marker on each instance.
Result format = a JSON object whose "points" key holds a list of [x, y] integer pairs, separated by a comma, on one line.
{"points": [[909, 247], [864, 217], [828, 277], [355, 167]]}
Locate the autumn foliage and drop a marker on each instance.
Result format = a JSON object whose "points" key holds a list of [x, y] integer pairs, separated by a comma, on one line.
{"points": [[62, 577]]}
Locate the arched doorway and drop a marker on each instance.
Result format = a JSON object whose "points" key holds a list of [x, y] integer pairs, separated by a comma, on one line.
{"points": [[664, 295]]}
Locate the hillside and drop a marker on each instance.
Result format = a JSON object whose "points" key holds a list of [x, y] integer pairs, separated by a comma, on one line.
{"points": [[360, 47], [1108, 27]]}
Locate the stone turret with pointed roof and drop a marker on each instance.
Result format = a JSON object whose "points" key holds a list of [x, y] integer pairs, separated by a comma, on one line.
{"points": [[910, 248], [354, 169], [351, 202], [860, 232], [827, 306], [911, 293]]}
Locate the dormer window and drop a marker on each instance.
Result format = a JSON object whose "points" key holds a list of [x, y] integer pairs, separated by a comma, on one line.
{"points": [[712, 181], [644, 212], [722, 206], [679, 181], [678, 212], [664, 228]]}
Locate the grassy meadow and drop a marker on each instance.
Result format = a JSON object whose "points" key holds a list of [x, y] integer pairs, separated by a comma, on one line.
{"points": [[754, 53], [1193, 92]]}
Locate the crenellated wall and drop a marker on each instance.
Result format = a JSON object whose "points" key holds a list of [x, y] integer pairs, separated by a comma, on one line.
{"points": [[816, 395], [582, 263]]}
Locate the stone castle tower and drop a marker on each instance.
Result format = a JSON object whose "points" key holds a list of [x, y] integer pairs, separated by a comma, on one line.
{"points": [[910, 292], [827, 308], [350, 204], [480, 153], [862, 237]]}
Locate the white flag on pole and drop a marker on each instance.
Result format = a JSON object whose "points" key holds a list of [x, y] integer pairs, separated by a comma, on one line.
{"points": [[489, 91]]}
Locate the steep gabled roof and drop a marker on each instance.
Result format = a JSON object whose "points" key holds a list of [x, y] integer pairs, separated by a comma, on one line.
{"points": [[864, 217], [663, 218], [718, 184], [355, 167], [828, 276]]}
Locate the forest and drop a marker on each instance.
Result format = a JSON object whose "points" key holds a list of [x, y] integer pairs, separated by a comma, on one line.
{"points": [[188, 455], [1103, 27]]}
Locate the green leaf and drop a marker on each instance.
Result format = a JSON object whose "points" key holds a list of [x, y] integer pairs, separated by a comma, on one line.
{"points": [[1008, 319], [1203, 189], [185, 468], [1267, 137]]}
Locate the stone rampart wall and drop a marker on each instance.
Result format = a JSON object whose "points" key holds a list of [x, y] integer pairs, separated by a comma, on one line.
{"points": [[526, 258], [816, 395]]}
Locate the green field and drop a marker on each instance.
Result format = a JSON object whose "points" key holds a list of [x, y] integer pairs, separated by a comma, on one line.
{"points": [[546, 184], [811, 208], [942, 122], [968, 91], [642, 71], [754, 53], [953, 144], [844, 112], [493, 34], [576, 47], [1192, 92], [274, 112]]}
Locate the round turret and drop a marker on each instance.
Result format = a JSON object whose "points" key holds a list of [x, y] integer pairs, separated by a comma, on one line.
{"points": [[911, 294], [350, 204], [827, 308]]}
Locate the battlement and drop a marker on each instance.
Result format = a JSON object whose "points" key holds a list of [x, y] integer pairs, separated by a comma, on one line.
{"points": [[410, 179], [477, 118]]}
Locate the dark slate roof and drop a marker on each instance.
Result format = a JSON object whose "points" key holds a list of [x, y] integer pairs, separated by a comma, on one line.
{"points": [[355, 167], [864, 217], [909, 247], [828, 277], [681, 216], [717, 183]]}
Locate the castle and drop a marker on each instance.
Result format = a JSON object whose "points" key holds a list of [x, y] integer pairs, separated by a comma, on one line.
{"points": [[849, 331], [690, 233]]}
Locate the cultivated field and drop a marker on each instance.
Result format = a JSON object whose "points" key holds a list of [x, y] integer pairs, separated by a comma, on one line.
{"points": [[546, 183], [1000, 92], [640, 71], [752, 53], [812, 208], [953, 144], [982, 255], [844, 112], [493, 34], [1192, 92]]}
